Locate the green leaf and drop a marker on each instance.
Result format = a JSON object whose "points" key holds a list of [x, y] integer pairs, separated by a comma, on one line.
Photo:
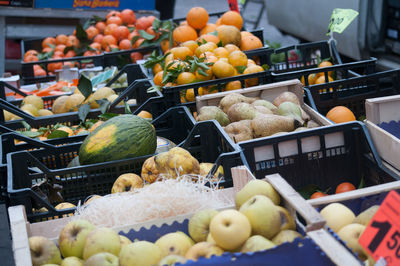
{"points": [[97, 18], [107, 116], [134, 39], [131, 29], [26, 125], [57, 134], [156, 24], [127, 108], [81, 33], [265, 67], [362, 183], [240, 69], [308, 190], [85, 86], [31, 134], [69, 48], [220, 44], [87, 24], [146, 35], [153, 89], [104, 104], [83, 111]]}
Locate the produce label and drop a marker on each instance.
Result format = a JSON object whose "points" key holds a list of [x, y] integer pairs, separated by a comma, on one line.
{"points": [[340, 19], [233, 5], [381, 238]]}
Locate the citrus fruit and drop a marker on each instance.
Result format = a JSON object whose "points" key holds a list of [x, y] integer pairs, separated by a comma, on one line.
{"points": [[340, 114], [344, 187]]}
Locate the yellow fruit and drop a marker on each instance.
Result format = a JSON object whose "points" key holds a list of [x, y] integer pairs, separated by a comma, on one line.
{"points": [[31, 109], [74, 101], [233, 85], [229, 34], [44, 112], [59, 105], [237, 58], [221, 52], [222, 69], [249, 70], [34, 100], [176, 162]]}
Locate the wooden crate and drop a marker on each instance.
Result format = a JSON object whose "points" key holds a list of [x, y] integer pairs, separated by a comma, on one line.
{"points": [[21, 229], [384, 109], [267, 92]]}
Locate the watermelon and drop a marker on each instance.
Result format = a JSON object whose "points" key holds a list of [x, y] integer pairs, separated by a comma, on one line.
{"points": [[121, 137]]}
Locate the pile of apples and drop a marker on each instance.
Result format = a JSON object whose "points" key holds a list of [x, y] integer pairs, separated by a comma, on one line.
{"points": [[259, 223]]}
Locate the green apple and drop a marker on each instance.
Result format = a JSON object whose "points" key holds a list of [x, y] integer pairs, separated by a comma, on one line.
{"points": [[257, 243], [199, 224], [102, 259], [263, 215], [124, 241], [101, 240], [287, 221], [172, 260], [230, 229], [73, 237], [203, 249], [256, 187], [174, 243], [350, 235], [286, 236], [43, 251], [337, 216], [140, 253], [72, 261]]}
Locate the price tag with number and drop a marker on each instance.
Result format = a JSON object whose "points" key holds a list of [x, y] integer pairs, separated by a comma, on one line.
{"points": [[381, 238], [340, 19]]}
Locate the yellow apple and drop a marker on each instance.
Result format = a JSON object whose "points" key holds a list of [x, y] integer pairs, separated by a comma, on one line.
{"points": [[72, 261], [287, 221], [124, 241], [172, 260], [257, 243], [73, 237], [102, 259], [101, 240], [140, 253], [127, 182], [199, 224], [210, 239], [203, 249], [230, 229], [285, 236], [364, 217], [256, 187], [43, 251], [350, 235], [174, 243], [337, 216]]}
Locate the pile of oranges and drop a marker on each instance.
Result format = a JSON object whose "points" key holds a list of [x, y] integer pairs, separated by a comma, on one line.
{"points": [[114, 33], [342, 187], [319, 78]]}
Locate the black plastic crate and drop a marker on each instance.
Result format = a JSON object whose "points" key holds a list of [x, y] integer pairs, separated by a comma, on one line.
{"points": [[353, 91], [133, 72], [118, 58], [324, 156], [207, 142], [6, 247]]}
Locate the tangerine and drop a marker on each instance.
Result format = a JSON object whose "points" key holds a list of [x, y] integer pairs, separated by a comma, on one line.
{"points": [[184, 33], [128, 16], [121, 32], [113, 14], [185, 78], [192, 45], [101, 26], [249, 70], [70, 53], [125, 44], [209, 38], [232, 18], [52, 67], [250, 43], [114, 20], [157, 79], [318, 194], [109, 30], [237, 58], [143, 23], [60, 48], [197, 17], [135, 56], [344, 187], [72, 41], [340, 114], [233, 85], [96, 46], [98, 38], [91, 32], [181, 52], [210, 27], [47, 41], [61, 39], [164, 45], [107, 41]]}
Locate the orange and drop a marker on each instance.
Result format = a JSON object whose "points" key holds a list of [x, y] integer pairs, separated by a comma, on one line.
{"points": [[207, 47], [184, 33], [250, 62], [91, 32], [197, 17], [72, 41], [109, 30], [47, 41], [61, 39], [143, 23], [326, 64], [207, 55], [233, 85], [321, 79], [135, 56], [89, 53], [250, 43], [344, 187], [107, 40], [114, 20], [209, 38], [245, 34], [218, 22], [203, 91], [231, 47], [202, 77], [184, 22], [133, 34], [312, 78], [237, 58], [164, 45], [39, 72], [121, 32], [98, 38], [52, 67], [340, 114], [189, 95], [151, 31], [232, 18], [181, 52], [185, 78], [101, 26], [318, 194], [31, 58], [125, 44], [157, 79], [192, 45], [96, 46], [113, 14], [223, 69], [221, 52], [128, 16], [138, 43], [145, 114], [211, 59], [58, 54], [31, 52], [70, 53], [210, 27], [112, 47], [60, 47], [157, 68], [249, 70], [46, 50]]}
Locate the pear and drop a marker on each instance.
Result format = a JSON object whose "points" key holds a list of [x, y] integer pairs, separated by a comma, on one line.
{"points": [[256, 187], [257, 243], [241, 111], [239, 131], [267, 125], [364, 217], [285, 236], [266, 104], [199, 224], [286, 96], [262, 110], [233, 98], [287, 221], [213, 112], [290, 109]]}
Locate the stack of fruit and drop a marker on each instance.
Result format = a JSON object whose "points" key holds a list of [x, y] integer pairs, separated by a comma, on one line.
{"points": [[319, 78], [258, 224], [245, 118]]}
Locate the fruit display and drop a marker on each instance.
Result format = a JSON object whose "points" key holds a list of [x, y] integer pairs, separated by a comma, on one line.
{"points": [[319, 78], [245, 118], [342, 187]]}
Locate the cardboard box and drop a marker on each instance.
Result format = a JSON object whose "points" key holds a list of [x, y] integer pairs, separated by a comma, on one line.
{"points": [[384, 109]]}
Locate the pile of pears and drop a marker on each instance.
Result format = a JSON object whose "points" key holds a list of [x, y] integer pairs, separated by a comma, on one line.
{"points": [[245, 118], [259, 223]]}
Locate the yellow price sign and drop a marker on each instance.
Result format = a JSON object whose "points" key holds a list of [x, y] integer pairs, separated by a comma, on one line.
{"points": [[340, 19]]}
